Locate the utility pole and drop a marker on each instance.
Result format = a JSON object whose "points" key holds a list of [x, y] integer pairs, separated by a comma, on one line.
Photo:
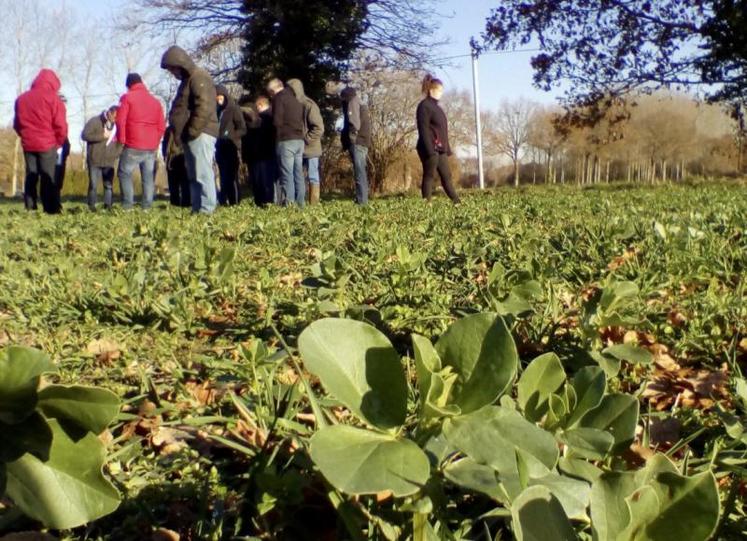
{"points": [[478, 121]]}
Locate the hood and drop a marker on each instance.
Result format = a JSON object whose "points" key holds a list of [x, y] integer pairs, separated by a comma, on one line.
{"points": [[297, 87], [176, 57], [221, 90], [348, 93], [47, 80]]}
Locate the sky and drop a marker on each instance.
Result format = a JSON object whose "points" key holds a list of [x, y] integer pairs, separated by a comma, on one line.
{"points": [[502, 76]]}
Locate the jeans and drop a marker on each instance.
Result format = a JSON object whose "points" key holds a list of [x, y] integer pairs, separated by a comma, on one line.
{"points": [[312, 167], [179, 190], [227, 156], [40, 166], [264, 174], [146, 161], [198, 155], [359, 156], [290, 160], [437, 163], [106, 175]]}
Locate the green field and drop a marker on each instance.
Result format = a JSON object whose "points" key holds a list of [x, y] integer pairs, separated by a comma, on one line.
{"points": [[190, 321]]}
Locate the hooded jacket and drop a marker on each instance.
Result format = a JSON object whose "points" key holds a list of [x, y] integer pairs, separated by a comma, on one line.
{"points": [[230, 119], [287, 115], [40, 115], [356, 127], [433, 129], [98, 153], [313, 122], [259, 142], [193, 109], [140, 121]]}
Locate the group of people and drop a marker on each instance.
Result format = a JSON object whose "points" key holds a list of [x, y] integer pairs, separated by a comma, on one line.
{"points": [[278, 136]]}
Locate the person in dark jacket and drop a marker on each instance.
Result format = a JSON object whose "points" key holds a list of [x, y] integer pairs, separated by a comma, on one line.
{"points": [[101, 155], [356, 137], [41, 122], [194, 121], [228, 147], [313, 129], [259, 153], [433, 139], [176, 171], [140, 127], [287, 116]]}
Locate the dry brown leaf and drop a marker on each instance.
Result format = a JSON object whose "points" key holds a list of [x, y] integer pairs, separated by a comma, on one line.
{"points": [[104, 350], [164, 534]]}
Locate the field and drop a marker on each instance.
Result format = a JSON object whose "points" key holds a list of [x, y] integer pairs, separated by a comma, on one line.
{"points": [[194, 323]]}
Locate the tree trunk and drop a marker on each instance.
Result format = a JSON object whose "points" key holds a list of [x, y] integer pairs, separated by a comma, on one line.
{"points": [[517, 172], [16, 163]]}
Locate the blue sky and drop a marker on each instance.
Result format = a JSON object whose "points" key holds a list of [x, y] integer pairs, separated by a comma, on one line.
{"points": [[505, 76]]}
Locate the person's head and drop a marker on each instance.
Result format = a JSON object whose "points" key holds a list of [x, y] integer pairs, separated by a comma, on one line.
{"points": [[111, 113], [133, 79], [262, 104], [274, 86], [433, 87], [221, 95], [221, 99], [177, 62]]}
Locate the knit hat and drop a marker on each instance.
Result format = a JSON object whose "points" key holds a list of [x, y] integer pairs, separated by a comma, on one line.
{"points": [[133, 78]]}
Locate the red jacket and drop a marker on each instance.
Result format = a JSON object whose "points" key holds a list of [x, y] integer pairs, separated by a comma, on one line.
{"points": [[40, 114], [140, 119]]}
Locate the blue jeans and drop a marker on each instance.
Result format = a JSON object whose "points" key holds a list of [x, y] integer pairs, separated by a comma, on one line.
{"points": [[290, 160], [146, 160], [198, 155], [312, 166], [96, 175], [359, 156]]}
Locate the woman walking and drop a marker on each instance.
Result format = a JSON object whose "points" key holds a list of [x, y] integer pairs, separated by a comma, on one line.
{"points": [[433, 139]]}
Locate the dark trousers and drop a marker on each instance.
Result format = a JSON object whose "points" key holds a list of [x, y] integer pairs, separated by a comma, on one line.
{"points": [[106, 176], [179, 191], [437, 163], [228, 167], [264, 175], [40, 168]]}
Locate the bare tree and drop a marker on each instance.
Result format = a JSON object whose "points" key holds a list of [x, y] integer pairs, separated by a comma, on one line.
{"points": [[509, 131]]}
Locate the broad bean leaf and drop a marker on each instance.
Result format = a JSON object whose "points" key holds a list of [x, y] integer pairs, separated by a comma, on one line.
{"points": [[20, 372], [469, 474], [358, 461], [538, 516], [616, 414], [482, 352], [590, 385], [66, 490], [630, 353], [89, 408], [542, 377], [590, 443], [357, 365]]}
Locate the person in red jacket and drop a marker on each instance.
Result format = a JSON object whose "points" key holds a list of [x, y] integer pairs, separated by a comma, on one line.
{"points": [[40, 121], [140, 127]]}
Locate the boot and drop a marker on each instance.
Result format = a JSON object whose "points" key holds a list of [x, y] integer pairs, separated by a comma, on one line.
{"points": [[313, 194]]}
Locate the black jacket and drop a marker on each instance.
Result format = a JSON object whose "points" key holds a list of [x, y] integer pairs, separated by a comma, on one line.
{"points": [[356, 128], [433, 129], [193, 109], [98, 153], [231, 121], [259, 141], [287, 115]]}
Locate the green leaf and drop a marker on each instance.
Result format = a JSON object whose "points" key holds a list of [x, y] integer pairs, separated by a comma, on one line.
{"points": [[493, 435], [20, 371], [360, 461], [590, 385], [542, 377], [426, 363], [573, 495], [610, 514], [434, 382], [590, 443], [643, 506], [90, 408], [481, 350], [357, 365], [630, 353], [33, 436], [538, 516], [469, 474], [688, 508], [580, 469], [608, 363], [67, 490], [616, 414]]}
